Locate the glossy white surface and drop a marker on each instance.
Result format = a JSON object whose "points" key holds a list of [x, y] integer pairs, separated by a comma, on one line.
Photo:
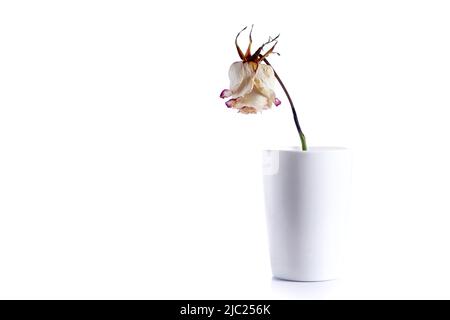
{"points": [[306, 196]]}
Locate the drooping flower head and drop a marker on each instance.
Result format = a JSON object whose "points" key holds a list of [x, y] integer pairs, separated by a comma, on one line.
{"points": [[251, 81]]}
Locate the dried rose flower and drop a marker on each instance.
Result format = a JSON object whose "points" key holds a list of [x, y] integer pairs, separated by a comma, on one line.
{"points": [[252, 83]]}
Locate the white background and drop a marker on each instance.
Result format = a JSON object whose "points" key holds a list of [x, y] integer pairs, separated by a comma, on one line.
{"points": [[123, 175]]}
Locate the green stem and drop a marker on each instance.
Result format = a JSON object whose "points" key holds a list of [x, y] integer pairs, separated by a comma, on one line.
{"points": [[303, 140], [294, 113]]}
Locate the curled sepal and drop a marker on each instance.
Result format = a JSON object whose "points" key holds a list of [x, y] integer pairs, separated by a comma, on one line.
{"points": [[248, 53], [257, 55], [241, 54]]}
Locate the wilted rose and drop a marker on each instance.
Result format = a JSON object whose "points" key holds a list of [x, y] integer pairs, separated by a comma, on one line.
{"points": [[251, 82]]}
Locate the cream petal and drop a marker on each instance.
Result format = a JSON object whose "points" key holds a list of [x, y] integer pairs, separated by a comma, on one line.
{"points": [[248, 110], [241, 78], [265, 81], [265, 74], [236, 74], [255, 100]]}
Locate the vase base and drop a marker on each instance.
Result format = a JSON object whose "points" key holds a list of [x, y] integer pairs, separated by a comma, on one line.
{"points": [[295, 279]]}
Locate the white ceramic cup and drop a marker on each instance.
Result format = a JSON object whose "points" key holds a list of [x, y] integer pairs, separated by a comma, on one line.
{"points": [[306, 195]]}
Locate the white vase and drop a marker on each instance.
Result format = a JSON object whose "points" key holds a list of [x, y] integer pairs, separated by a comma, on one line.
{"points": [[306, 196]]}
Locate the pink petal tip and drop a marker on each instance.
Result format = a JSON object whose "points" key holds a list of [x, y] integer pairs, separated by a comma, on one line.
{"points": [[230, 103], [277, 102], [225, 93]]}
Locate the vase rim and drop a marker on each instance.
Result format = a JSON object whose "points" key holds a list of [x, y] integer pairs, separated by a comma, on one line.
{"points": [[310, 149]]}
